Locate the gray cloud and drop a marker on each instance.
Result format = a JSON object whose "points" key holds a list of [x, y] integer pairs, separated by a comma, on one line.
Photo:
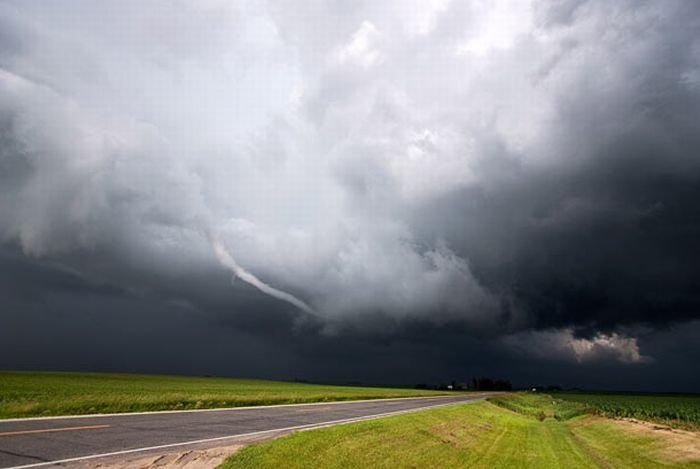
{"points": [[409, 171]]}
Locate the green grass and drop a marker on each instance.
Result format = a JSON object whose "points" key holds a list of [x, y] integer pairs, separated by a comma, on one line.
{"points": [[540, 406], [673, 410], [479, 435], [27, 394]]}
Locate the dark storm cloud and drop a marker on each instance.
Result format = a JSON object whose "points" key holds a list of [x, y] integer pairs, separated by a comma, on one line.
{"points": [[107, 329], [441, 182], [612, 242]]}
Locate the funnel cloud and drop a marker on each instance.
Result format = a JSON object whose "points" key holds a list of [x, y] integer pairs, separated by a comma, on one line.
{"points": [[230, 263]]}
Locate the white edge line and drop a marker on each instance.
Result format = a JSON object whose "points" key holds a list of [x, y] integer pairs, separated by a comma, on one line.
{"points": [[219, 409], [240, 435]]}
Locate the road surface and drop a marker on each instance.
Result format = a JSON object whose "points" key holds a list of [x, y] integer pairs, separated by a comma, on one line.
{"points": [[45, 442]]}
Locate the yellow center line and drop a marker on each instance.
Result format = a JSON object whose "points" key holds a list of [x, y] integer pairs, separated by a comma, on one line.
{"points": [[47, 430]]}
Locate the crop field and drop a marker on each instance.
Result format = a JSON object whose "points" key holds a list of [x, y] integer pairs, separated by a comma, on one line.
{"points": [[673, 410], [520, 430], [28, 394]]}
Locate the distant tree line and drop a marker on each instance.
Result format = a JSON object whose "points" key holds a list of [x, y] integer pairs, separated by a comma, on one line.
{"points": [[550, 388], [488, 384], [476, 384]]}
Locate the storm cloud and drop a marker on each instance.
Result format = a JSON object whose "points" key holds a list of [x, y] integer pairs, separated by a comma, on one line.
{"points": [[490, 186]]}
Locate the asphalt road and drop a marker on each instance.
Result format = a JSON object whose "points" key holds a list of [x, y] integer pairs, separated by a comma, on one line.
{"points": [[48, 441]]}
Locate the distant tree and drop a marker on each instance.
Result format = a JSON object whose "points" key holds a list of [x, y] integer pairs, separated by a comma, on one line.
{"points": [[502, 385], [488, 384]]}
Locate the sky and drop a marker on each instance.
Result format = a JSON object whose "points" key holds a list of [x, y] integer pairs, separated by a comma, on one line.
{"points": [[391, 192]]}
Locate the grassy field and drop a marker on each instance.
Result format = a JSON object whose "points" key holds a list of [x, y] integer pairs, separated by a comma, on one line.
{"points": [[27, 394], [540, 406], [676, 411], [519, 431]]}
